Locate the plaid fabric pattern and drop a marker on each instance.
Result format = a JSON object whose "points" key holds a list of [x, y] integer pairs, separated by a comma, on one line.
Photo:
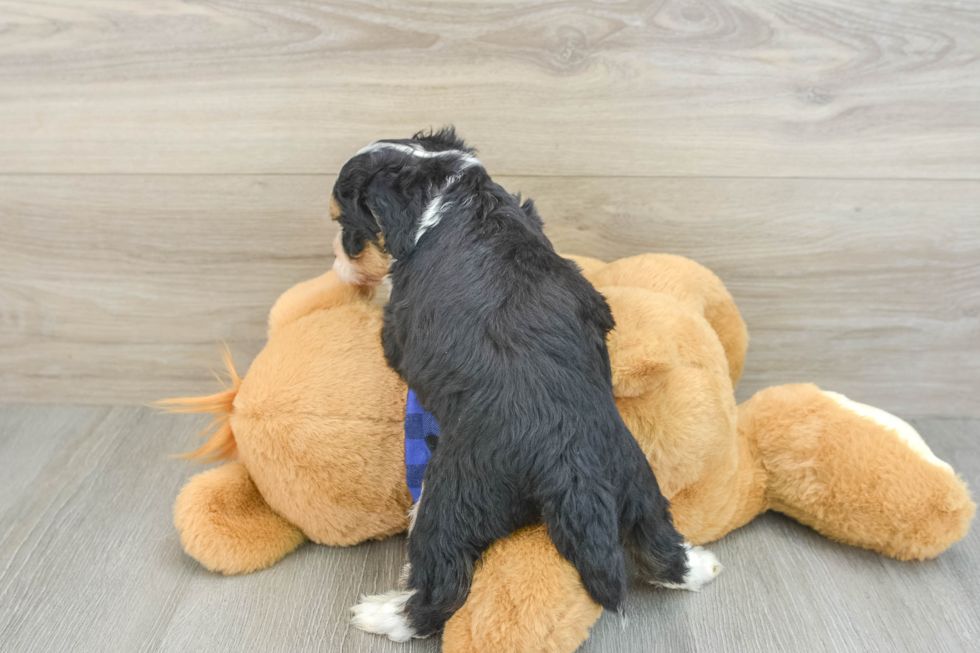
{"points": [[420, 429]]}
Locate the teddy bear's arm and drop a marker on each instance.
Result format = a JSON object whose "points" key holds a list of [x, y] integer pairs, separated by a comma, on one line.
{"points": [[325, 291]]}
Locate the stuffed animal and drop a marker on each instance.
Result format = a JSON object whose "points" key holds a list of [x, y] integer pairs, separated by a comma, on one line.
{"points": [[318, 430]]}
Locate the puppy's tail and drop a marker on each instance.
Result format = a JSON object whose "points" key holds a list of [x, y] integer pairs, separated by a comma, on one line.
{"points": [[221, 441]]}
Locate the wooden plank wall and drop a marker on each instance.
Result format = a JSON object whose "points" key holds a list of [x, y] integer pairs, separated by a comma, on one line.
{"points": [[164, 170]]}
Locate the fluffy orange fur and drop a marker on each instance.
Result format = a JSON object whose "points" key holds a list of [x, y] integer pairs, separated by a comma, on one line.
{"points": [[317, 424], [226, 524], [814, 453], [524, 586], [221, 441]]}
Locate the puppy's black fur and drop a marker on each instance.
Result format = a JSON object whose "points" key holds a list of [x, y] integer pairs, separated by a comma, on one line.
{"points": [[504, 341]]}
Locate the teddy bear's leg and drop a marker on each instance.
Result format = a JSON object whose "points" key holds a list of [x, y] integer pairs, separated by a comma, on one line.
{"points": [[227, 526], [525, 598], [855, 473]]}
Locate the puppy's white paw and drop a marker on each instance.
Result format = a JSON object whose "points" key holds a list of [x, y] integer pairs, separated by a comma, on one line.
{"points": [[384, 614], [703, 567]]}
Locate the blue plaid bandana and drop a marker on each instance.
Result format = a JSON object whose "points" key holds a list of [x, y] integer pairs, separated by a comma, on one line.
{"points": [[421, 435]]}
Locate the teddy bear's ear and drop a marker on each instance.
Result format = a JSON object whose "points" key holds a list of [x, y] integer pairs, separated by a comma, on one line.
{"points": [[638, 362], [640, 351], [325, 291], [691, 284]]}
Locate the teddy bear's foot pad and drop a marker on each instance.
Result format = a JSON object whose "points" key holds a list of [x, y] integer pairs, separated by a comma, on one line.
{"points": [[703, 567], [384, 614]]}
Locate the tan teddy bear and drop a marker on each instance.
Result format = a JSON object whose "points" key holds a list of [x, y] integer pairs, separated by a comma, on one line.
{"points": [[317, 429]]}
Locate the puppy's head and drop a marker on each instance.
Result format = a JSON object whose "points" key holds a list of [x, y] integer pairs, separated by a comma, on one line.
{"points": [[382, 196]]}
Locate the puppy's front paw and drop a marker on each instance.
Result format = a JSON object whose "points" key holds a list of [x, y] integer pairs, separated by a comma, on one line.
{"points": [[384, 614], [702, 568]]}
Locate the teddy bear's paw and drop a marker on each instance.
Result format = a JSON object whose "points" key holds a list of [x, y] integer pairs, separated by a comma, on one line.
{"points": [[384, 614], [702, 568]]}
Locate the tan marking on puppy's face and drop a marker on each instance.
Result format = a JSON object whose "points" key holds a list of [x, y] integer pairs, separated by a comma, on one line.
{"points": [[367, 269], [333, 208], [374, 262]]}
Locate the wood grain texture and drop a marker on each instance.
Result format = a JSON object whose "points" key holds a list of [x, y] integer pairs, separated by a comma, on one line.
{"points": [[118, 289], [90, 561], [675, 87], [871, 289]]}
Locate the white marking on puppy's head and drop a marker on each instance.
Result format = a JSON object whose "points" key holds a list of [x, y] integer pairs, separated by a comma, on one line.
{"points": [[417, 150], [431, 217], [437, 208]]}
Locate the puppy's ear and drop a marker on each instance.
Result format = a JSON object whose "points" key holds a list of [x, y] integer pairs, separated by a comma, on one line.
{"points": [[396, 207], [349, 208]]}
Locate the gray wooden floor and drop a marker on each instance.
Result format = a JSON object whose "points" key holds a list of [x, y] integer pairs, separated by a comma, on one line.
{"points": [[90, 561]]}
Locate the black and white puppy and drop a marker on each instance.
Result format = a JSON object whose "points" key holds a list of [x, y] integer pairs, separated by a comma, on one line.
{"points": [[504, 342]]}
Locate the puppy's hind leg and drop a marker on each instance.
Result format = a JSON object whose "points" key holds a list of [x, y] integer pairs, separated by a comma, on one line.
{"points": [[454, 523], [656, 548], [580, 513]]}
